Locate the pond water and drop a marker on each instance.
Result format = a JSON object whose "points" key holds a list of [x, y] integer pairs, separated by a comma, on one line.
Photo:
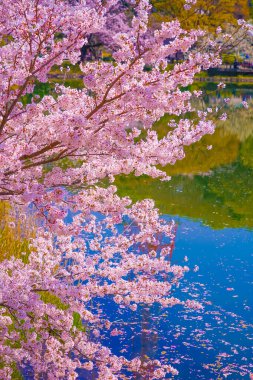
{"points": [[211, 344], [210, 196]]}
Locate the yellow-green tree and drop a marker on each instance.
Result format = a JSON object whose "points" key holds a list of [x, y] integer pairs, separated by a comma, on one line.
{"points": [[242, 9], [205, 14]]}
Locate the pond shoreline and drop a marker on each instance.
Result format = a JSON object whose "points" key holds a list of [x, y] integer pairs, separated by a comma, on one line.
{"points": [[213, 79]]}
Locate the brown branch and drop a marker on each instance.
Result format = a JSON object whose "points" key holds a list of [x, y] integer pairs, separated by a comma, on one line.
{"points": [[104, 100], [41, 151], [52, 159]]}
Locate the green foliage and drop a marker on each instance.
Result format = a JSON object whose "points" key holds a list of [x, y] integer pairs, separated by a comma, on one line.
{"points": [[51, 298], [246, 150], [14, 234], [73, 69], [251, 9], [16, 374], [229, 59], [205, 14], [40, 89], [77, 322], [242, 9]]}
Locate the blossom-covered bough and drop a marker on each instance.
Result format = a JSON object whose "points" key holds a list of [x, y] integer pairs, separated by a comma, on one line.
{"points": [[92, 243]]}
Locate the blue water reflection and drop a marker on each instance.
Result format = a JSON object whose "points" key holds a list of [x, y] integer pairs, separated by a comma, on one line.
{"points": [[210, 344], [214, 190], [225, 259]]}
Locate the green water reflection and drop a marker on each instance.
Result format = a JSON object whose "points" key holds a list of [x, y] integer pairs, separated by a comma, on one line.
{"points": [[214, 186]]}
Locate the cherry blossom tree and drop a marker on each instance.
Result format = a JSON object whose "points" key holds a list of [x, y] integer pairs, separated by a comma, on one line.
{"points": [[117, 21], [57, 155]]}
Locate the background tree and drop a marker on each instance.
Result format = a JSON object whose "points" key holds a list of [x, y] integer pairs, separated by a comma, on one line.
{"points": [[205, 14], [242, 9]]}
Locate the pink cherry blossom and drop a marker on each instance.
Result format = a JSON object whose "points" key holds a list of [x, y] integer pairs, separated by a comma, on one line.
{"points": [[102, 130]]}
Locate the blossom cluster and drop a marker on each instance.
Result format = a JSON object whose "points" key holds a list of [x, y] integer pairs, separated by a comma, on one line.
{"points": [[91, 243], [40, 299]]}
